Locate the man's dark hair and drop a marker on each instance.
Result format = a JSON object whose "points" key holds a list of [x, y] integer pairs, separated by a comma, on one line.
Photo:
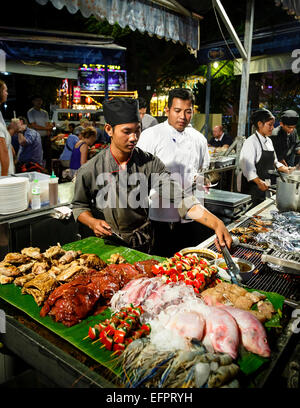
{"points": [[24, 120], [36, 96], [181, 93], [72, 125], [142, 103]]}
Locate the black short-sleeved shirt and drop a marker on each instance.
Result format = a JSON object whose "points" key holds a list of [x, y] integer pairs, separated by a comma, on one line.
{"points": [[285, 145], [226, 140]]}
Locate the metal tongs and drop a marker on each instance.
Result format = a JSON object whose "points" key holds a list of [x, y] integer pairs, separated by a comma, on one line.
{"points": [[233, 269]]}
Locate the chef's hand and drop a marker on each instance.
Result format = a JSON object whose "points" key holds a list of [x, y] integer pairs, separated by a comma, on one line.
{"points": [[262, 185], [222, 236], [101, 228]]}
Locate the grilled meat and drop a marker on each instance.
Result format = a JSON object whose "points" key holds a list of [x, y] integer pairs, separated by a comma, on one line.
{"points": [[54, 252], [21, 280], [145, 267], [74, 268], [69, 256], [16, 259], [5, 279], [7, 269], [40, 267], [34, 253], [92, 261], [26, 267], [116, 259], [40, 287]]}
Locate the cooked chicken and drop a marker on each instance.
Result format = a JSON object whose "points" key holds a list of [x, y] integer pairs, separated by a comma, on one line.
{"points": [[116, 259], [92, 261], [26, 267], [54, 252], [8, 270], [34, 253], [266, 308], [261, 222], [21, 280], [5, 279], [233, 295], [74, 269], [16, 259], [69, 256], [40, 267], [40, 286], [243, 303]]}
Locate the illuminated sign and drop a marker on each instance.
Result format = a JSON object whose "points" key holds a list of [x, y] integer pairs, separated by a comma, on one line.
{"points": [[92, 78], [76, 94]]}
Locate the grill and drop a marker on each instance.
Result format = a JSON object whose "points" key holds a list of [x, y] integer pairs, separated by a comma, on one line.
{"points": [[251, 243], [265, 278]]}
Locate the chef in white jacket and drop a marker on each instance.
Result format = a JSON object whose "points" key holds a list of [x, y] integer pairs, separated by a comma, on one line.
{"points": [[258, 157], [184, 151]]}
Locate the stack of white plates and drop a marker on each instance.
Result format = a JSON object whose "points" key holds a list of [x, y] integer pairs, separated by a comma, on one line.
{"points": [[13, 194]]}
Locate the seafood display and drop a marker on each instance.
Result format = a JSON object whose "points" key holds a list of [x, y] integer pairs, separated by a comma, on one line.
{"points": [[145, 365], [249, 233]]}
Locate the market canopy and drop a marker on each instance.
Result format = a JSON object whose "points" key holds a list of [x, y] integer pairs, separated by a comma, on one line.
{"points": [[163, 18], [62, 47]]}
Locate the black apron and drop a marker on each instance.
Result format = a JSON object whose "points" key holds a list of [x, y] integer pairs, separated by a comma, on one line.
{"points": [[265, 163]]}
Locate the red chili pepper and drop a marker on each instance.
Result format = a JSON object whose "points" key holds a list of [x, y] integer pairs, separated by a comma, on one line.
{"points": [[190, 275], [197, 283]]}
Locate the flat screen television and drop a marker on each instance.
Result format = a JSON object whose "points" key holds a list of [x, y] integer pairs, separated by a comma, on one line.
{"points": [[94, 80]]}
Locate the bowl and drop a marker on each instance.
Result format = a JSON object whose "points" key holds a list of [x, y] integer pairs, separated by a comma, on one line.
{"points": [[246, 267], [207, 254]]}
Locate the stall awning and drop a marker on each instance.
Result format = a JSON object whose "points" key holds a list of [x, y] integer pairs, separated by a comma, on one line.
{"points": [[145, 16], [266, 63], [34, 45]]}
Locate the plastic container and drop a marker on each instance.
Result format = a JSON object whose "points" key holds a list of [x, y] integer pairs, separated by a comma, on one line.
{"points": [[53, 189], [36, 195], [43, 182]]}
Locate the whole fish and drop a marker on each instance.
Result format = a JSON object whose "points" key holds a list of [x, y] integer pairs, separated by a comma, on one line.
{"points": [[187, 324], [253, 334], [221, 330]]}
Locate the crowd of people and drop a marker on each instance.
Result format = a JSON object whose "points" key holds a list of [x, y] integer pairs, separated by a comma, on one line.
{"points": [[173, 149]]}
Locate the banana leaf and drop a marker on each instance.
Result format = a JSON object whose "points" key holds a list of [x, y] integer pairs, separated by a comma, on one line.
{"points": [[75, 334]]}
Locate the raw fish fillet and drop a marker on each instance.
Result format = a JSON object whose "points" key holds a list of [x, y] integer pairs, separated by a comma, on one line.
{"points": [[253, 334]]}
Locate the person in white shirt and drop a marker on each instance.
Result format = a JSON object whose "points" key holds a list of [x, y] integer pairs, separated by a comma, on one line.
{"points": [[38, 119], [7, 166], [257, 157], [184, 151]]}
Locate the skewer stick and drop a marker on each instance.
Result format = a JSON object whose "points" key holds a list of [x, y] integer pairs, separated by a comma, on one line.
{"points": [[95, 341], [85, 337]]}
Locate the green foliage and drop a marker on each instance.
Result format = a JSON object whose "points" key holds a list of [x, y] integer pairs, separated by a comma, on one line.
{"points": [[223, 85]]}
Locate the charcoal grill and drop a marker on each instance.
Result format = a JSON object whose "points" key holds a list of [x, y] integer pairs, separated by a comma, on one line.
{"points": [[266, 279]]}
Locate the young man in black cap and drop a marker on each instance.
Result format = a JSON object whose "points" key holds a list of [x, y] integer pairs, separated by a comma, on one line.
{"points": [[112, 189], [258, 157], [285, 138]]}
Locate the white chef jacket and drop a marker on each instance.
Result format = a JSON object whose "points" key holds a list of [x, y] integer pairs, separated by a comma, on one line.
{"points": [[251, 153], [183, 153]]}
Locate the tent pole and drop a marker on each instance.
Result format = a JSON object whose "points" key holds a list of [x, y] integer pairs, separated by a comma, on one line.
{"points": [[245, 80], [207, 99], [105, 83]]}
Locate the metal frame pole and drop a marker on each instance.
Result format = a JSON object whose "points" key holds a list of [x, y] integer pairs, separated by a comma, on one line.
{"points": [[207, 99], [245, 80]]}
